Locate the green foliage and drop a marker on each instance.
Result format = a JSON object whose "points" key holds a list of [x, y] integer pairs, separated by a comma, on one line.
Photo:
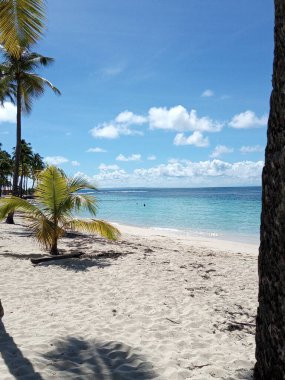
{"points": [[19, 74], [22, 23], [6, 168], [57, 199]]}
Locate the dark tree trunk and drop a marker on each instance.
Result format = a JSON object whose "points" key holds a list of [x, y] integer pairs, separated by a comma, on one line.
{"points": [[21, 184], [270, 322], [10, 217], [54, 250]]}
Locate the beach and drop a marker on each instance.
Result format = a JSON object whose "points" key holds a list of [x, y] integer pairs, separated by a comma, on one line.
{"points": [[149, 306]]}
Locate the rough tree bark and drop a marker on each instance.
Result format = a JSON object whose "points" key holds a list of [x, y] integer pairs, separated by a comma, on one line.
{"points": [[270, 322], [15, 192]]}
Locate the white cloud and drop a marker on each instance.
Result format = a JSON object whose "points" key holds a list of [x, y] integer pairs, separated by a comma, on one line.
{"points": [[179, 119], [55, 160], [196, 139], [75, 163], [220, 150], [182, 173], [105, 167], [251, 149], [245, 170], [151, 157], [248, 119], [130, 118], [133, 157], [122, 125], [96, 150], [207, 93], [8, 113], [111, 177], [105, 131]]}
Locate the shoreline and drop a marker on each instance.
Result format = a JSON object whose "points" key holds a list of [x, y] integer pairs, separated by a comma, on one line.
{"points": [[195, 241]]}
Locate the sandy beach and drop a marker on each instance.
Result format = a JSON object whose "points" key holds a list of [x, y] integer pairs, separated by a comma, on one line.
{"points": [[150, 306]]}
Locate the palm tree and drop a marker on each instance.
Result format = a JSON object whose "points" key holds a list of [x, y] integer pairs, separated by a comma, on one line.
{"points": [[270, 322], [25, 163], [37, 165], [57, 199], [22, 23], [6, 168], [20, 84]]}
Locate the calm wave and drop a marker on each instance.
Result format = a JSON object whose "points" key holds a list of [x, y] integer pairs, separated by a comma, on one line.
{"points": [[226, 213]]}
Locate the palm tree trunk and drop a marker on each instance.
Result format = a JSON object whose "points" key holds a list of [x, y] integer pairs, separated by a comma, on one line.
{"points": [[21, 183], [270, 322], [10, 217], [54, 250]]}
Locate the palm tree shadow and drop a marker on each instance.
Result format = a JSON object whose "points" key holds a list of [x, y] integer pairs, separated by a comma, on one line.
{"points": [[75, 358], [77, 265], [22, 256], [244, 374], [18, 366]]}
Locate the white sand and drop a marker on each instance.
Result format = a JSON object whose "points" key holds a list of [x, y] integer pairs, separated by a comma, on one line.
{"points": [[164, 309]]}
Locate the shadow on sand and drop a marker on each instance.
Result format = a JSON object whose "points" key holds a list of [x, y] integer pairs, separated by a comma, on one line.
{"points": [[75, 358], [77, 265], [22, 256], [244, 374], [18, 366]]}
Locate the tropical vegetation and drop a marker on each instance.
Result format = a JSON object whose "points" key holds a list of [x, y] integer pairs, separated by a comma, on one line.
{"points": [[20, 84], [57, 199], [6, 169], [31, 164]]}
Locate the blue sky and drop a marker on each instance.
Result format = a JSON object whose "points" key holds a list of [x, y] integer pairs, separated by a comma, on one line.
{"points": [[154, 92]]}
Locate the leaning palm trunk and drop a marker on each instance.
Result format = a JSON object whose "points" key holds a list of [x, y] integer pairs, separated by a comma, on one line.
{"points": [[57, 199], [15, 189], [270, 322]]}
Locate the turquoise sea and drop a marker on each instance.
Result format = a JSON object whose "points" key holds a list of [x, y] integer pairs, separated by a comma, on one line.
{"points": [[223, 213]]}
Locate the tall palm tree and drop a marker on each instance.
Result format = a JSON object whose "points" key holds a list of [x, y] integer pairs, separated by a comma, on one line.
{"points": [[20, 84], [26, 157], [57, 199], [37, 165], [270, 322], [22, 23]]}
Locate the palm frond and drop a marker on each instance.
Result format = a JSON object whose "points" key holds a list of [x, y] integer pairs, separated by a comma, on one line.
{"points": [[45, 231], [35, 60], [94, 226], [8, 205], [22, 23], [79, 183], [84, 201], [51, 191], [36, 84]]}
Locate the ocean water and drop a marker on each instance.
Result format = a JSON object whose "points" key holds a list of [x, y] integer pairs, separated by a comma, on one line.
{"points": [[223, 213]]}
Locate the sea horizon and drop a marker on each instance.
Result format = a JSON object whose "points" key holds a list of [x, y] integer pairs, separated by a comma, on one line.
{"points": [[226, 213]]}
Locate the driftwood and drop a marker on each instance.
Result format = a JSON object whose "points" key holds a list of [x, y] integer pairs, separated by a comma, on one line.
{"points": [[242, 323], [56, 257]]}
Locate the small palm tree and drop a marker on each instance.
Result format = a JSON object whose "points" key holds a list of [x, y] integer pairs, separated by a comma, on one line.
{"points": [[57, 199]]}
